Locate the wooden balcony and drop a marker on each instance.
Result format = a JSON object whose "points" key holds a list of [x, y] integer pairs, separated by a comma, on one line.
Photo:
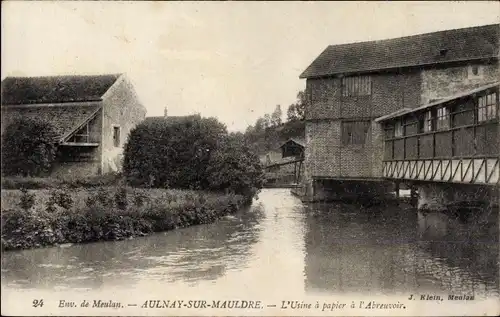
{"points": [[454, 140]]}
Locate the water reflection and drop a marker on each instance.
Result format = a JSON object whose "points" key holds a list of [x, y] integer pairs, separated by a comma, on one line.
{"points": [[191, 254], [350, 249], [461, 254], [396, 250], [281, 246]]}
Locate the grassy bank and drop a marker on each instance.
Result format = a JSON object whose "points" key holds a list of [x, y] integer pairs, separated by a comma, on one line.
{"points": [[36, 218], [18, 182]]}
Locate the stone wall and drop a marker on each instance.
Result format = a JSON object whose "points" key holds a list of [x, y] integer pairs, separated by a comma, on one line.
{"points": [[349, 190], [443, 82], [122, 108], [389, 92], [437, 196]]}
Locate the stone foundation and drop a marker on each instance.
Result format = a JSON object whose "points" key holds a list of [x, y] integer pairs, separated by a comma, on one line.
{"points": [[440, 196], [347, 190]]}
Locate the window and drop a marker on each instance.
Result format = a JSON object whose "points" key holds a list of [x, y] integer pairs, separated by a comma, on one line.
{"points": [[81, 136], [355, 132], [428, 121], [356, 86], [487, 108], [116, 136], [398, 132], [443, 118], [474, 71]]}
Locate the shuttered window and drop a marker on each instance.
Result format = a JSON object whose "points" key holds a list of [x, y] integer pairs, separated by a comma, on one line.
{"points": [[356, 86], [355, 132]]}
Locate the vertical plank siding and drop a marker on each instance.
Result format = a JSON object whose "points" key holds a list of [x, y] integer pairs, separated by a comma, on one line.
{"points": [[455, 137]]}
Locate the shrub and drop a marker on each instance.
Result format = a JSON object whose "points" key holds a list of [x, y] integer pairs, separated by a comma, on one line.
{"points": [[28, 147], [236, 168], [193, 153], [100, 219], [27, 200], [174, 154], [121, 198], [59, 198]]}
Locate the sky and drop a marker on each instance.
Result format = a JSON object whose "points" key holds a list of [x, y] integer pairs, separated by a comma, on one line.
{"points": [[232, 60]]}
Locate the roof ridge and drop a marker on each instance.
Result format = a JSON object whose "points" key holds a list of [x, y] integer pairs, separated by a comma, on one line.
{"points": [[416, 35], [445, 46], [67, 76]]}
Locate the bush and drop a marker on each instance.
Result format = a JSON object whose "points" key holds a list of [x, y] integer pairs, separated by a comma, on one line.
{"points": [[103, 217], [28, 147], [27, 200], [164, 154], [235, 168], [193, 153]]}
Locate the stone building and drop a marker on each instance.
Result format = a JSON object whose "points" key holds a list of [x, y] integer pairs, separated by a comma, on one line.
{"points": [[93, 116], [349, 85]]}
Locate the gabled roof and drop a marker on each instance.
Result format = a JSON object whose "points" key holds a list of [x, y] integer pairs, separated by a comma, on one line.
{"points": [[299, 141], [66, 119], [424, 49], [467, 93], [55, 89]]}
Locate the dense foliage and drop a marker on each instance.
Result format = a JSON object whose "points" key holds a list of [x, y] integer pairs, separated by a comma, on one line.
{"points": [[106, 214], [182, 154], [28, 147], [235, 167]]}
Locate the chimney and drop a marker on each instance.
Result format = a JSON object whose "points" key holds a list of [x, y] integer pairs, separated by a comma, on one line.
{"points": [[165, 112]]}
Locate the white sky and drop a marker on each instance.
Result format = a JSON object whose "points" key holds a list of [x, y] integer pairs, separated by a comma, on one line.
{"points": [[232, 60]]}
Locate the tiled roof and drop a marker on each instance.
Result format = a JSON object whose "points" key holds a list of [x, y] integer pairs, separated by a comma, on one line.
{"points": [[55, 89], [417, 50], [65, 118]]}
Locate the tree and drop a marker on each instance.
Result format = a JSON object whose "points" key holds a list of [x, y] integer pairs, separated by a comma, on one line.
{"points": [[259, 125], [192, 153], [165, 154], [267, 121], [28, 147], [291, 113], [276, 116], [234, 167], [296, 111]]}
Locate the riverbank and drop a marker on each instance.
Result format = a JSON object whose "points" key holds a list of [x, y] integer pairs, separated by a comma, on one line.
{"points": [[45, 217]]}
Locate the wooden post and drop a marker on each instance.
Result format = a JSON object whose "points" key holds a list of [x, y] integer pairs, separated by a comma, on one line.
{"points": [[413, 195], [295, 172]]}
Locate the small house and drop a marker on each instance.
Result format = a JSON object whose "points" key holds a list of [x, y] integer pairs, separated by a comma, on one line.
{"points": [[92, 115]]}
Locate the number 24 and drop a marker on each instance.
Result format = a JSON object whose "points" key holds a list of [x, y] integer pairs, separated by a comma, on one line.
{"points": [[38, 303]]}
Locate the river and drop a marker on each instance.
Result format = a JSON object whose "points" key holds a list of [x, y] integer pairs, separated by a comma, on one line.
{"points": [[282, 245]]}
